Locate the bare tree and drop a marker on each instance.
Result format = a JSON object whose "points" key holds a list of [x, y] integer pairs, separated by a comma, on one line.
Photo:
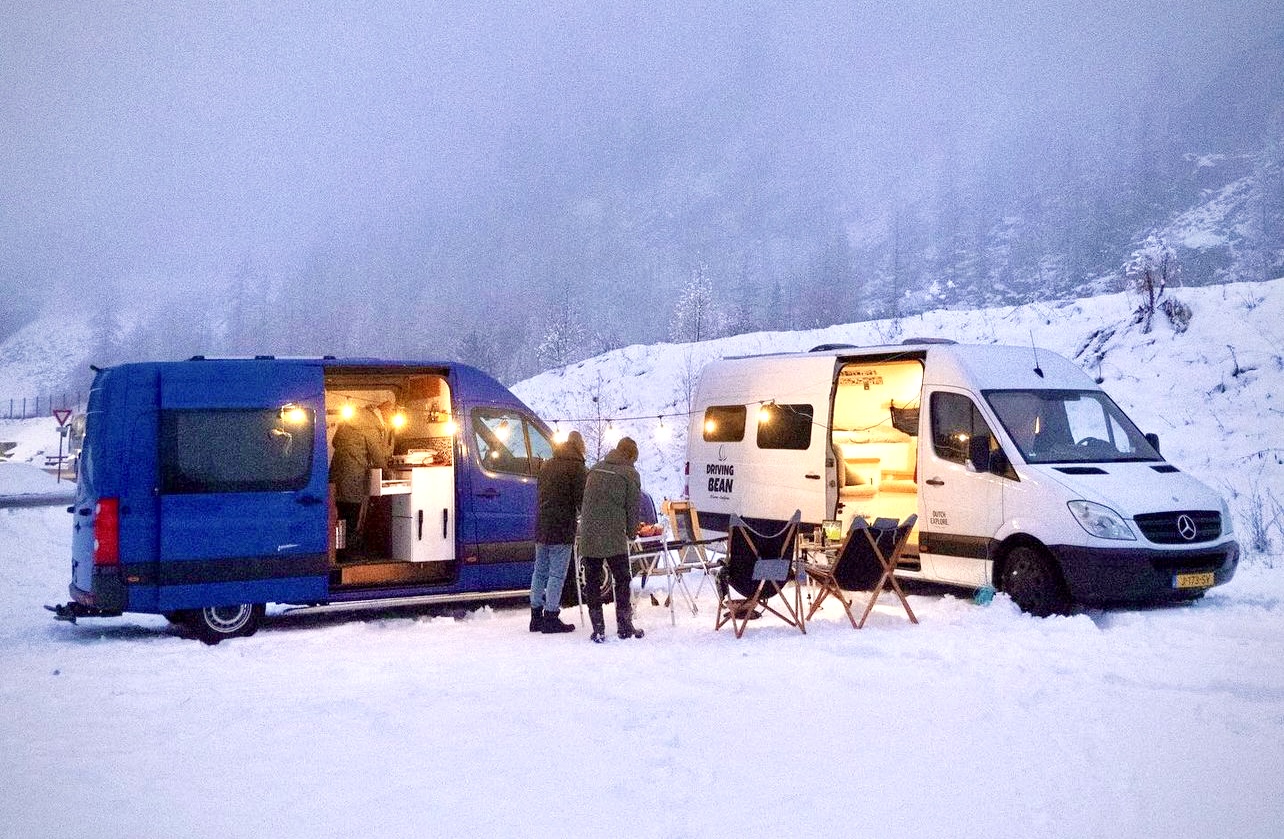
{"points": [[695, 316], [565, 338], [1148, 272]]}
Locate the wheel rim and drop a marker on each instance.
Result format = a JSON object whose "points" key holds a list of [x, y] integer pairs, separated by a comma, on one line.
{"points": [[226, 619]]}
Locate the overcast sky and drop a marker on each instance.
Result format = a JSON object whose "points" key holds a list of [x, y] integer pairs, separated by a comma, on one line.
{"points": [[159, 141]]}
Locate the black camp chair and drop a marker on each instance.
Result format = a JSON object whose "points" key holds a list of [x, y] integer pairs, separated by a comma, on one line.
{"points": [[887, 539], [856, 567], [754, 575]]}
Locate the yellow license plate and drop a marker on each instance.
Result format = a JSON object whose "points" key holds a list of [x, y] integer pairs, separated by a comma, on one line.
{"points": [[1204, 580]]}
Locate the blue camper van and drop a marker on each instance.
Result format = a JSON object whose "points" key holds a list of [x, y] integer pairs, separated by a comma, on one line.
{"points": [[204, 493]]}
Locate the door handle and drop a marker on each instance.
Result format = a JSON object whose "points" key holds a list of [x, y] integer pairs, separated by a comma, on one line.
{"points": [[445, 522], [489, 492], [811, 477], [936, 482], [308, 500], [420, 517]]}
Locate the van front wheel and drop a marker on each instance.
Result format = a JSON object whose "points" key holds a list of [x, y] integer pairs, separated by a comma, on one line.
{"points": [[1034, 583], [214, 623]]}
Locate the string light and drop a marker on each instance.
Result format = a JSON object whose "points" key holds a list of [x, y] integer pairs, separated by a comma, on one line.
{"points": [[663, 432]]}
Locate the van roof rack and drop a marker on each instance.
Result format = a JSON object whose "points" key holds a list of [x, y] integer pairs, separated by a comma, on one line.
{"points": [[261, 357], [929, 341], [831, 347]]}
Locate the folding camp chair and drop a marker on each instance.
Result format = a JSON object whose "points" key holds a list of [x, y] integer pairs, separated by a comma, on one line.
{"points": [[755, 571], [856, 567], [887, 539]]}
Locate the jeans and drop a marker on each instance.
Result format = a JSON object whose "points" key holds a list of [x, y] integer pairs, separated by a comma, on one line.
{"points": [[549, 576]]}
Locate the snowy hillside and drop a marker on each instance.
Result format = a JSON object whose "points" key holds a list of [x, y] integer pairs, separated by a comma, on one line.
{"points": [[1212, 393], [43, 357]]}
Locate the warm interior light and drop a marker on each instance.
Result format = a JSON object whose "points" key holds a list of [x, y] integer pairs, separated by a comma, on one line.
{"points": [[502, 431], [293, 414], [347, 411], [710, 426], [451, 427], [764, 415], [399, 420]]}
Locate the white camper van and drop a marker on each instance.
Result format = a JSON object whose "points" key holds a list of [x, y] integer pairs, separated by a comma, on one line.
{"points": [[1024, 474]]}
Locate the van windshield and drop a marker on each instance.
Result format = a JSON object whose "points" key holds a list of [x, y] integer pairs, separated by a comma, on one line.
{"points": [[1069, 426]]}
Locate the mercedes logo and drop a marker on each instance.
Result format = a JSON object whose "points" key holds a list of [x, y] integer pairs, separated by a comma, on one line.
{"points": [[1186, 527]]}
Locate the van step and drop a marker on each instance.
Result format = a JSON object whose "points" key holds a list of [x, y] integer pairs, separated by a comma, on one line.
{"points": [[392, 574]]}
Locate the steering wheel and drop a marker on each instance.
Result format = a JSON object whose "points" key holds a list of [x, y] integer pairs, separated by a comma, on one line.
{"points": [[1088, 443]]}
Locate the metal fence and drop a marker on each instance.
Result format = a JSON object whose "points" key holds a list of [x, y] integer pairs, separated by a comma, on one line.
{"points": [[39, 406]]}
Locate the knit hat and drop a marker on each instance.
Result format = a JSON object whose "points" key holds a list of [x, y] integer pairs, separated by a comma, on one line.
{"points": [[628, 448]]}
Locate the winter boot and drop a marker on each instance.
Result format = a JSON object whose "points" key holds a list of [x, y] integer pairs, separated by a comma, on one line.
{"points": [[553, 624], [624, 621], [599, 623], [537, 619], [630, 631]]}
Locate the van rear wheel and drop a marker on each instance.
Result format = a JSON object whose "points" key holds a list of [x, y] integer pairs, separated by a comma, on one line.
{"points": [[215, 623], [1034, 583]]}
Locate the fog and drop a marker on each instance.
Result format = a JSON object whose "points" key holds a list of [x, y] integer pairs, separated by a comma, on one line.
{"points": [[465, 159]]}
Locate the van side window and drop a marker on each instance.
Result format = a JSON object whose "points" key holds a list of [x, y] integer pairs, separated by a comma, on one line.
{"points": [[241, 450], [724, 423], [955, 421], [508, 442], [784, 426]]}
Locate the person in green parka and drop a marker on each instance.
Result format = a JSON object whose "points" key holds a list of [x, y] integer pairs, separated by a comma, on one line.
{"points": [[608, 522]]}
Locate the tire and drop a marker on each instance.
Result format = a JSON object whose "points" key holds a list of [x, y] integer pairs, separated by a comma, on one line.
{"points": [[216, 623], [1034, 583]]}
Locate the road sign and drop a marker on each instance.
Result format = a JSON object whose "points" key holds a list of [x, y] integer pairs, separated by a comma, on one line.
{"points": [[61, 414]]}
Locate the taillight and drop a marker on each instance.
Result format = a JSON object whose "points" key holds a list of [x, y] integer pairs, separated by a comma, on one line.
{"points": [[107, 532]]}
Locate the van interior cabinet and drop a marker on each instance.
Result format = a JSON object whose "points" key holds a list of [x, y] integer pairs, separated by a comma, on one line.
{"points": [[423, 527]]}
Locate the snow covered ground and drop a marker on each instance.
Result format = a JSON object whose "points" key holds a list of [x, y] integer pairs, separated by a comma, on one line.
{"points": [[980, 721]]}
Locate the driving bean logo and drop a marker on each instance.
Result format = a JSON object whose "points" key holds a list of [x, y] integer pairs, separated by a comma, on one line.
{"points": [[721, 478]]}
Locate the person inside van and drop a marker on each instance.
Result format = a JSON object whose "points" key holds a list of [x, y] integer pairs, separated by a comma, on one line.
{"points": [[360, 444]]}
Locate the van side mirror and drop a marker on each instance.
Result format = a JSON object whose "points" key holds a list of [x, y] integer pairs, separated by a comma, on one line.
{"points": [[1153, 439]]}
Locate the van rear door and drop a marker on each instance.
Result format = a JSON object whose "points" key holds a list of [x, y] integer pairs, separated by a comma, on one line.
{"points": [[761, 439], [242, 484]]}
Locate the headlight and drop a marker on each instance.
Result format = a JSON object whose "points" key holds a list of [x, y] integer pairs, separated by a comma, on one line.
{"points": [[1228, 523], [1100, 521]]}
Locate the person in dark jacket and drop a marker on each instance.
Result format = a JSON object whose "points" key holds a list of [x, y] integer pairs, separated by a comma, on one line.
{"points": [[561, 487], [608, 523], [360, 444]]}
